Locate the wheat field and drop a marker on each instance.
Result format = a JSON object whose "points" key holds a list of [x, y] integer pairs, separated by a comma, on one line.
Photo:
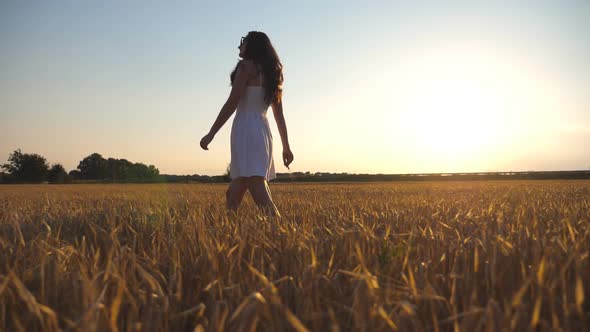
{"points": [[416, 256]]}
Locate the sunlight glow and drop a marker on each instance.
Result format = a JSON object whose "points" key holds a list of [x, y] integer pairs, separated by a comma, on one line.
{"points": [[455, 116], [469, 106]]}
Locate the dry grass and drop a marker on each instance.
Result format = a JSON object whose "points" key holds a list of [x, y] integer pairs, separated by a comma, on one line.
{"points": [[386, 256]]}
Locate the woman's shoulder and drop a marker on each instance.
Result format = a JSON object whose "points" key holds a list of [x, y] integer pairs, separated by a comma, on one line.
{"points": [[248, 65], [253, 71]]}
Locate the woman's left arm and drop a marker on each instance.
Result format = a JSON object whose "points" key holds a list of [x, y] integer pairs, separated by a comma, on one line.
{"points": [[245, 67]]}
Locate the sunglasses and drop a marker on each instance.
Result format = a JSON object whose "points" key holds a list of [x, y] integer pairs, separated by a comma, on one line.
{"points": [[242, 41]]}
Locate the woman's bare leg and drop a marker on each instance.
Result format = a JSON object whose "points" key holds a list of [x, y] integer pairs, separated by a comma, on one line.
{"points": [[260, 192], [235, 193]]}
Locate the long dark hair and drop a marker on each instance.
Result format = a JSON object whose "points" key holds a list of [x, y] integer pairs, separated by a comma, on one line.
{"points": [[260, 50]]}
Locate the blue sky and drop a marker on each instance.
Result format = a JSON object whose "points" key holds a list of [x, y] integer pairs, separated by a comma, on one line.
{"points": [[383, 87]]}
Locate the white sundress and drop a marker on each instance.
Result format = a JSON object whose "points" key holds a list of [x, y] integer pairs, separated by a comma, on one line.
{"points": [[251, 139]]}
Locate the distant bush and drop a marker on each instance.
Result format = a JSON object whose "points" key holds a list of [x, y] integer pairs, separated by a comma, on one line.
{"points": [[95, 167], [27, 167], [57, 174]]}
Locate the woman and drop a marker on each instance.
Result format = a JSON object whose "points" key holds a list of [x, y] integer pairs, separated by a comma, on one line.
{"points": [[256, 83]]}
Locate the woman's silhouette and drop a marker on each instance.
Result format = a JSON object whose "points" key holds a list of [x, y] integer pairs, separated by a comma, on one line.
{"points": [[256, 84]]}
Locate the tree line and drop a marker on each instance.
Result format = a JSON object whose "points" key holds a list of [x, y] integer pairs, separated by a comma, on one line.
{"points": [[34, 168]]}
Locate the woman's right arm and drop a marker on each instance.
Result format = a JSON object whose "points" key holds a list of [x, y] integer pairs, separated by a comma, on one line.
{"points": [[277, 111], [245, 68]]}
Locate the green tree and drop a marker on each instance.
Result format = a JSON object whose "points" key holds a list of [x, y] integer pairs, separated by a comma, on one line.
{"points": [[93, 167], [27, 167], [153, 172], [75, 174], [6, 178], [142, 172], [226, 175], [118, 169], [57, 174]]}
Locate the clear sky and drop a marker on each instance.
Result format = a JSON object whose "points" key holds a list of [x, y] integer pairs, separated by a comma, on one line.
{"points": [[370, 87]]}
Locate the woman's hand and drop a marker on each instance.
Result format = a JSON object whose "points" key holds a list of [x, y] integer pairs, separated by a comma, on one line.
{"points": [[206, 140], [287, 157]]}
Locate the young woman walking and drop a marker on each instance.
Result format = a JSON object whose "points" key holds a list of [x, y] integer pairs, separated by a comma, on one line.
{"points": [[256, 84]]}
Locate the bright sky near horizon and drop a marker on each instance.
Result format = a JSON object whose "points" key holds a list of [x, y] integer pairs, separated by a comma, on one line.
{"points": [[371, 87]]}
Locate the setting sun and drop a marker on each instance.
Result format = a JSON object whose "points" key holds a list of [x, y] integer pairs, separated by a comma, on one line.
{"points": [[463, 105], [455, 116]]}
